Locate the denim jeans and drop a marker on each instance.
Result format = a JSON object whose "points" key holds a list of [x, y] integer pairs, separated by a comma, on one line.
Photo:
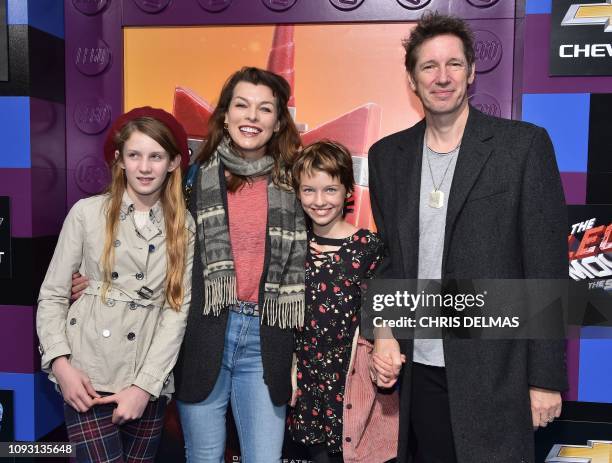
{"points": [[260, 423]]}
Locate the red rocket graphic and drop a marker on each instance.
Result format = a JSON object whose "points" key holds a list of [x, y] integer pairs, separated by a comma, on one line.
{"points": [[356, 129]]}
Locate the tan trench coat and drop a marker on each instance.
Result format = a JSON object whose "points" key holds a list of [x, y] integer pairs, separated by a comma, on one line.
{"points": [[129, 340]]}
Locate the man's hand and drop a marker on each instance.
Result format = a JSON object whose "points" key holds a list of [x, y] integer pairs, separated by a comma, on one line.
{"points": [[79, 283], [545, 406], [75, 385], [131, 403], [386, 362]]}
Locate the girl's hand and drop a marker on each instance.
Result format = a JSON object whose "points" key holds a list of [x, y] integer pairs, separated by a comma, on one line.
{"points": [[79, 283], [131, 403], [294, 397], [75, 385]]}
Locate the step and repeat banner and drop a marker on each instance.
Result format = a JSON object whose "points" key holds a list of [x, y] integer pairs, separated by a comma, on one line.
{"points": [[344, 61]]}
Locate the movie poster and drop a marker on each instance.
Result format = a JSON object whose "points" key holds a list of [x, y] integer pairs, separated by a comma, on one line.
{"points": [[590, 260]]}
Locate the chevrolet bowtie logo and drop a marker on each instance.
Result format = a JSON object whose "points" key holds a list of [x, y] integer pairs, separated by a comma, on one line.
{"points": [[596, 451], [590, 14]]}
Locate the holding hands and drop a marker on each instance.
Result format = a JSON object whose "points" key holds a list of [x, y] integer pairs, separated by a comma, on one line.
{"points": [[387, 362]]}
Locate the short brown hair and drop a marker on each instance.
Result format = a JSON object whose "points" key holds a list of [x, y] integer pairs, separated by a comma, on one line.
{"points": [[327, 156], [431, 25]]}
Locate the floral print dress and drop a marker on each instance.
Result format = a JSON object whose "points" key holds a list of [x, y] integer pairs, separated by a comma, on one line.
{"points": [[323, 345]]}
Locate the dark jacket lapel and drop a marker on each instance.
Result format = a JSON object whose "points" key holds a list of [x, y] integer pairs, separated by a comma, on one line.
{"points": [[408, 178], [473, 155]]}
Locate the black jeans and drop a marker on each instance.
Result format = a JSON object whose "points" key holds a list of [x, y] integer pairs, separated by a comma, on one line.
{"points": [[431, 437]]}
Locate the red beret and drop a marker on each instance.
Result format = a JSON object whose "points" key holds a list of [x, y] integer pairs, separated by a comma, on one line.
{"points": [[180, 136]]}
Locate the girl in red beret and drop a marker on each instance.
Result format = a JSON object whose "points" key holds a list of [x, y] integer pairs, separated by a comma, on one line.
{"points": [[112, 352]]}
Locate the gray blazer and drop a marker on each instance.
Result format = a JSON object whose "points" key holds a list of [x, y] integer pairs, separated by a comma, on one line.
{"points": [[506, 219]]}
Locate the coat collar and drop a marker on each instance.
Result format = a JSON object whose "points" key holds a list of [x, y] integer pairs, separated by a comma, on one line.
{"points": [[473, 154], [409, 162], [156, 216]]}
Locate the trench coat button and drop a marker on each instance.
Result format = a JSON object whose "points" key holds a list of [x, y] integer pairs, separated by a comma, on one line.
{"points": [[349, 406], [122, 216], [133, 305], [139, 276], [131, 336], [131, 208], [106, 333], [114, 275], [348, 439], [117, 243], [151, 248], [73, 321], [41, 350], [110, 302]]}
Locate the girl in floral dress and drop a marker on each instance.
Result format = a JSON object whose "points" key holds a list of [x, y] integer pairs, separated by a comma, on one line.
{"points": [[341, 257]]}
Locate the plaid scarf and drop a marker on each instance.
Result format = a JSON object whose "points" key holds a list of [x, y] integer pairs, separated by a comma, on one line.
{"points": [[284, 285]]}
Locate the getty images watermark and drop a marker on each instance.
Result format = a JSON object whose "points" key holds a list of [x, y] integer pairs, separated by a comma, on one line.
{"points": [[480, 309]]}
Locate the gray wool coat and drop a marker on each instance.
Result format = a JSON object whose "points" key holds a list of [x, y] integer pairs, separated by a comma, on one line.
{"points": [[506, 219]]}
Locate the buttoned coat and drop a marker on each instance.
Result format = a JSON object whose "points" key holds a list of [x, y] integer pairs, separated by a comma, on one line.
{"points": [[506, 218], [127, 340]]}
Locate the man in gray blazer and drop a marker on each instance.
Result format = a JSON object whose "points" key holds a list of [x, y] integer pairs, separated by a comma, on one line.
{"points": [[464, 195]]}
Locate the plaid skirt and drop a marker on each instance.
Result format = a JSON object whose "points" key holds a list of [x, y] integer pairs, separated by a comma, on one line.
{"points": [[98, 440]]}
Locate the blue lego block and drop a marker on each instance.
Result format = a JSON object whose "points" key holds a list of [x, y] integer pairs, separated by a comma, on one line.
{"points": [[566, 118], [595, 374], [538, 7], [17, 11], [15, 132]]}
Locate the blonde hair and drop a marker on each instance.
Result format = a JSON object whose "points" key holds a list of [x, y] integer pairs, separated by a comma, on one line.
{"points": [[173, 206]]}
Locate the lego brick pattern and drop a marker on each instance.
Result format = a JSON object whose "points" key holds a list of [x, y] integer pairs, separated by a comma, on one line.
{"points": [[163, 12]]}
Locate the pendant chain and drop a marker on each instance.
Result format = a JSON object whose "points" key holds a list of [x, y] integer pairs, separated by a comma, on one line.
{"points": [[430, 151]]}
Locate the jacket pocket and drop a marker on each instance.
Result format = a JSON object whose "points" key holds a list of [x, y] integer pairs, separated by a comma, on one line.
{"points": [[490, 194]]}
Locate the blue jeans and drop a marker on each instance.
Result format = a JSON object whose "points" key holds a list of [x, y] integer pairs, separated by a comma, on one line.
{"points": [[260, 423]]}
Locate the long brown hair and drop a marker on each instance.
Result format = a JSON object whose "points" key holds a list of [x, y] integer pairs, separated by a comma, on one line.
{"points": [[284, 143], [172, 202]]}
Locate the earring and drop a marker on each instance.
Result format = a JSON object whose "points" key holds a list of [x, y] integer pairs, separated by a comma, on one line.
{"points": [[225, 126]]}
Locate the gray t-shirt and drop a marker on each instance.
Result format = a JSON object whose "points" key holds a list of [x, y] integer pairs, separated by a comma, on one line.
{"points": [[432, 223]]}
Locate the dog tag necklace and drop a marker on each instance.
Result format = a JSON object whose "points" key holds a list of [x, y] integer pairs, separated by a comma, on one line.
{"points": [[436, 197]]}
